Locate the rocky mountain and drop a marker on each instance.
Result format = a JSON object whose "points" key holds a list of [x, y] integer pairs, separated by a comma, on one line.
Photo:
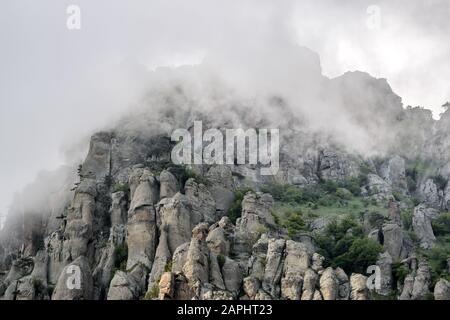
{"points": [[362, 182]]}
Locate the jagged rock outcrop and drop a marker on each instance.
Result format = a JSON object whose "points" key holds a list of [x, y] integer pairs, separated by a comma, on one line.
{"points": [[377, 188], [80, 218], [336, 166], [296, 263], [274, 266], [417, 282], [421, 223], [395, 241], [393, 172], [384, 262], [169, 184], [196, 267], [141, 225], [256, 219], [429, 192]]}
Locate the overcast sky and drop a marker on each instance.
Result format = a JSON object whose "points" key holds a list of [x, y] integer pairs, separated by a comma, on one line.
{"points": [[57, 85]]}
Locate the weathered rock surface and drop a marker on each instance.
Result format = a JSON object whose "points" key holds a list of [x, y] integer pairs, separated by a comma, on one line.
{"points": [[421, 223], [442, 290]]}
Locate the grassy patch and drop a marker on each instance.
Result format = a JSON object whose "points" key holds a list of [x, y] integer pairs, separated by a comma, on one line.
{"points": [[327, 198], [191, 174]]}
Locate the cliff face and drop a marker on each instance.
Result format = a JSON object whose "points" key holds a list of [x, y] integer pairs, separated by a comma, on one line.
{"points": [[136, 225]]}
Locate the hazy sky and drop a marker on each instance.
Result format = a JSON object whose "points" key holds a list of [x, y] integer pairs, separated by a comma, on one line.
{"points": [[57, 85]]}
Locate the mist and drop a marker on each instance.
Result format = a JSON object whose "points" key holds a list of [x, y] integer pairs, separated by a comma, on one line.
{"points": [[58, 86]]}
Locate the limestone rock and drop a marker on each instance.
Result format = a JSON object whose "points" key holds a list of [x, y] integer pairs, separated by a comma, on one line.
{"points": [[394, 173], [384, 262], [377, 188], [336, 166], [256, 219], [442, 290], [176, 217], [329, 284], [127, 285], [169, 184], [344, 284], [430, 194], [310, 281], [421, 223], [179, 257], [394, 241], [251, 286], [232, 276], [274, 267], [358, 287], [163, 260], [196, 268], [222, 187], [118, 209], [166, 286]]}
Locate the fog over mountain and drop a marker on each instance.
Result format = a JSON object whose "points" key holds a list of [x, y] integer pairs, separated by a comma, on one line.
{"points": [[57, 85], [357, 90]]}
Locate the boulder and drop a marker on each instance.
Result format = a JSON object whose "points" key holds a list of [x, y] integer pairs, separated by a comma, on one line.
{"points": [[251, 286], [442, 290], [310, 281], [358, 287], [329, 285], [127, 285]]}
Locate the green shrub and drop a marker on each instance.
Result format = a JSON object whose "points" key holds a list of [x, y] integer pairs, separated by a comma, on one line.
{"points": [[344, 193], [235, 210], [294, 224], [440, 181], [375, 219], [168, 266], [191, 174], [120, 257], [406, 216], [221, 260], [399, 272], [343, 244], [153, 293], [361, 254], [441, 225], [50, 289], [437, 258], [121, 187], [38, 285]]}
